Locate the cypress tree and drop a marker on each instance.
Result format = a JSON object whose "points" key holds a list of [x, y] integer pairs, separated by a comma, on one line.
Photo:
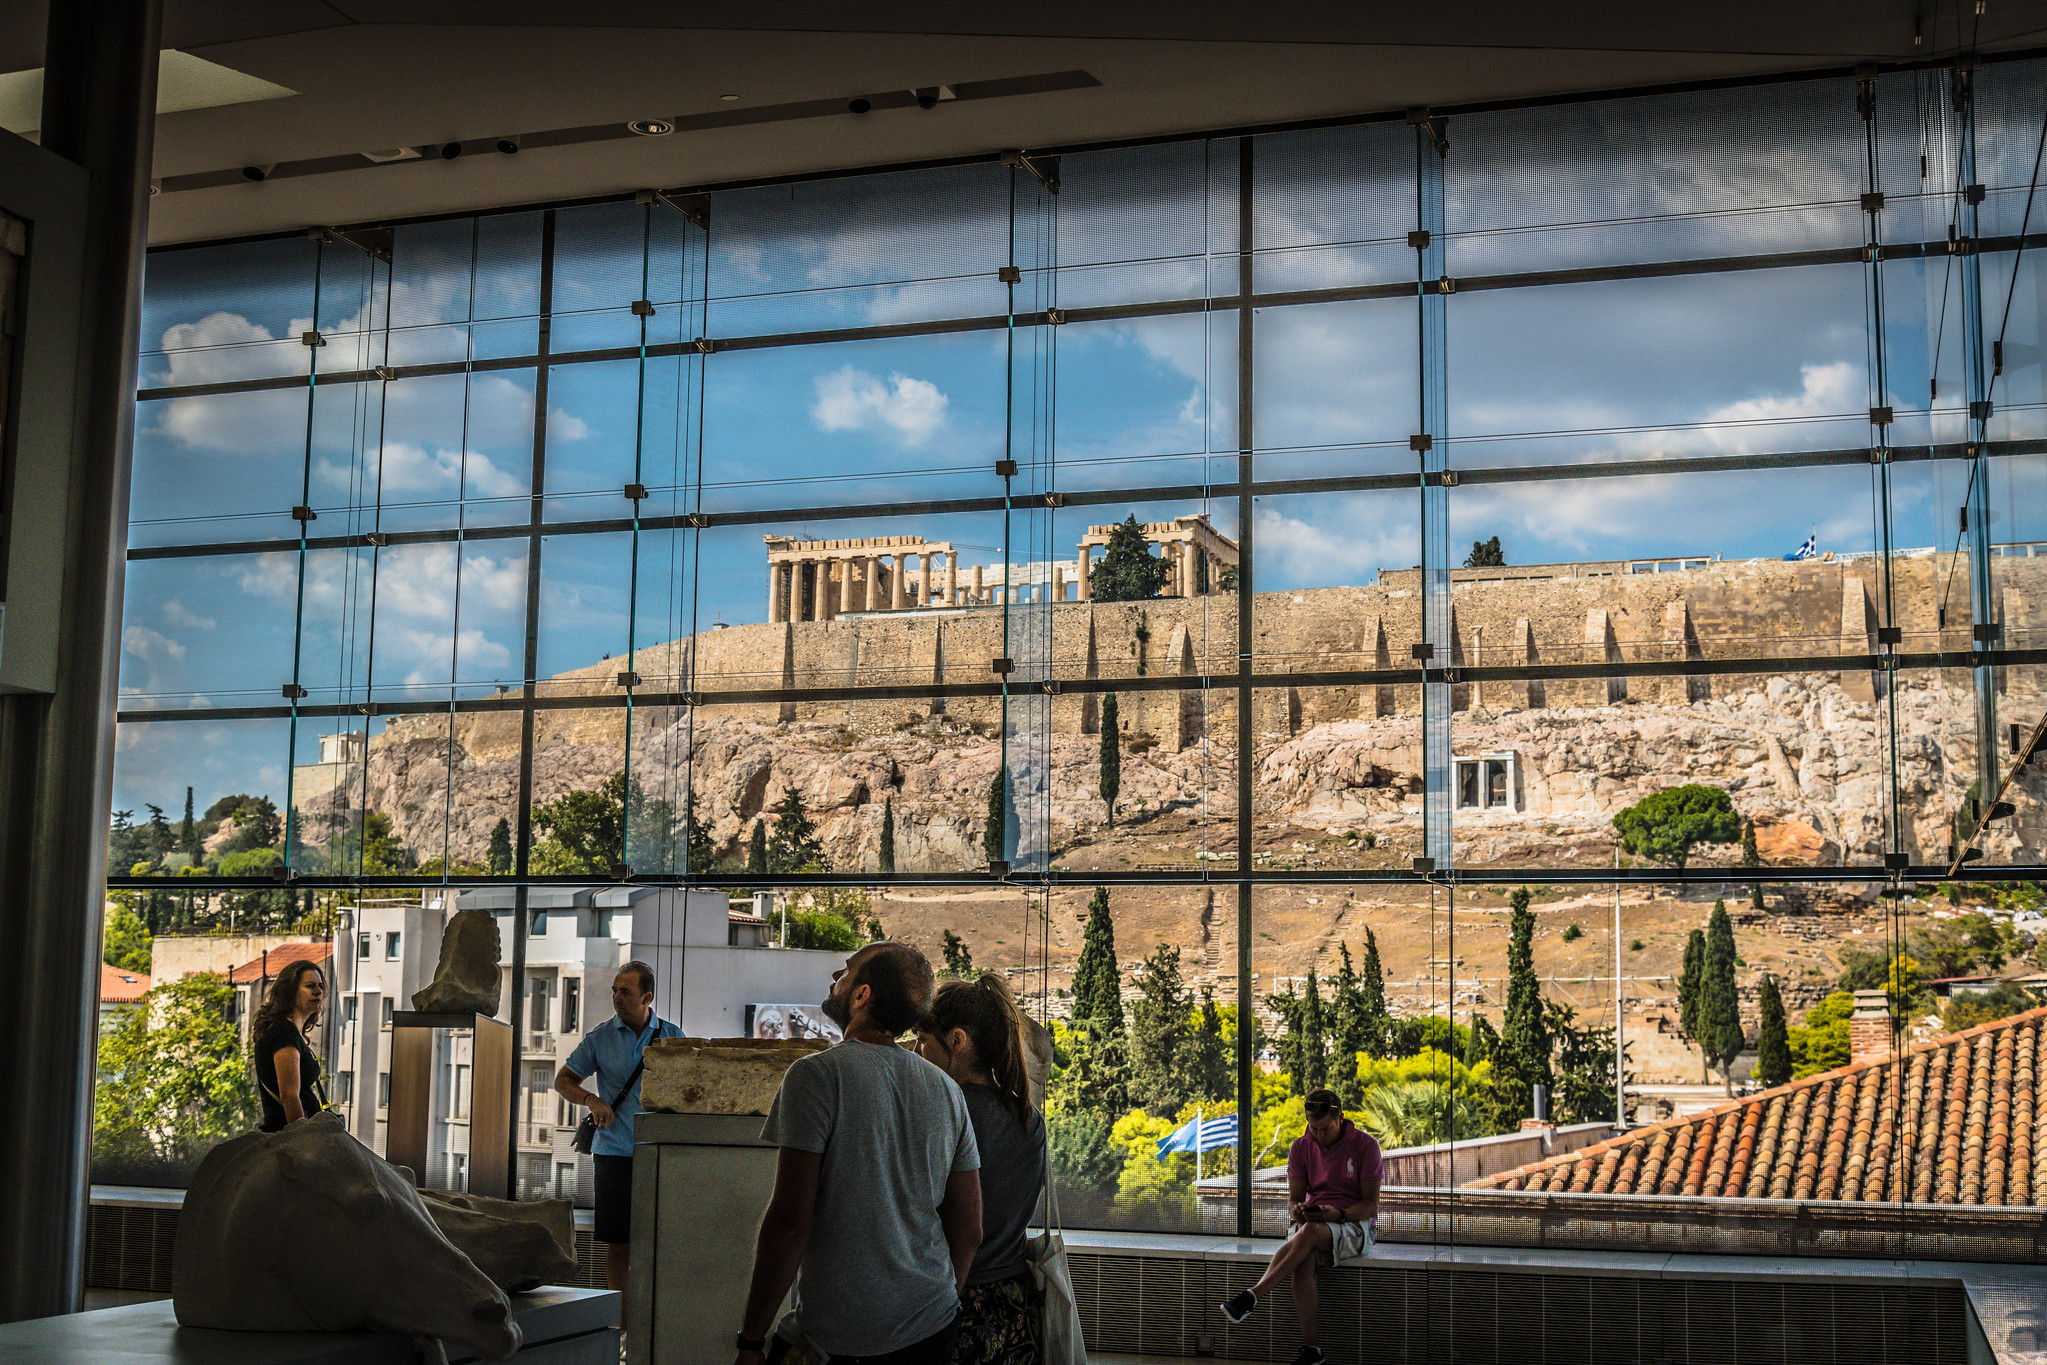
{"points": [[991, 833], [886, 858], [1482, 1043], [1127, 571], [1097, 981], [1690, 985], [1773, 1046], [1292, 1055], [1112, 756], [698, 852], [1349, 1029], [188, 833], [1215, 1077], [1522, 1059], [958, 961], [500, 855], [794, 844], [1720, 1006], [757, 850], [1751, 856], [1161, 1036], [1377, 1021], [1314, 1041]]}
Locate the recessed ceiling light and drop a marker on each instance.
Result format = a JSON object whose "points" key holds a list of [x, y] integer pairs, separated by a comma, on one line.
{"points": [[728, 98], [651, 127]]}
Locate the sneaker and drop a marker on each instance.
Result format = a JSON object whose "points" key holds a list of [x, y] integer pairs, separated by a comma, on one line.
{"points": [[1310, 1355], [1238, 1306]]}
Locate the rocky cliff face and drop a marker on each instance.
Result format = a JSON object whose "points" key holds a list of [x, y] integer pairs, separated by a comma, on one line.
{"points": [[1809, 764]]}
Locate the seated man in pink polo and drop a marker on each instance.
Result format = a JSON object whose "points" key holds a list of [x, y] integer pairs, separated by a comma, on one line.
{"points": [[1332, 1174]]}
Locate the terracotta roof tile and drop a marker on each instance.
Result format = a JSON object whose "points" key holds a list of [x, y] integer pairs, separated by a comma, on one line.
{"points": [[1956, 1120], [277, 959]]}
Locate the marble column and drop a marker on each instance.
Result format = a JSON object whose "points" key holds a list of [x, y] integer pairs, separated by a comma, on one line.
{"points": [[871, 566], [1058, 582], [778, 594], [895, 583], [924, 578], [952, 578], [1081, 567], [977, 593], [845, 585], [808, 593]]}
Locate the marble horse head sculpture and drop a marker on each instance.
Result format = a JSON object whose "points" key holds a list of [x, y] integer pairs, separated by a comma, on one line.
{"points": [[308, 1230]]}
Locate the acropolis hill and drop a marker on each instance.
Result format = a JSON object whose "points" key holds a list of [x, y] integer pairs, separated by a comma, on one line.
{"points": [[1799, 752]]}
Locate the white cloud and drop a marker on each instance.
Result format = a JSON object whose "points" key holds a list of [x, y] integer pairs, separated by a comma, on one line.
{"points": [[152, 648], [1829, 389], [182, 617], [853, 400], [413, 474], [1349, 540]]}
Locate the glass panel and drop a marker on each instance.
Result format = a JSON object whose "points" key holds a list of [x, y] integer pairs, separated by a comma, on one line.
{"points": [[213, 468], [1336, 386], [585, 601], [1147, 224], [222, 313], [1143, 403], [1339, 777], [214, 630], [1333, 208], [1333, 586]]}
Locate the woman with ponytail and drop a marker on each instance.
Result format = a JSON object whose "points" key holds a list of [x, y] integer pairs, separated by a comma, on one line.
{"points": [[974, 1033]]}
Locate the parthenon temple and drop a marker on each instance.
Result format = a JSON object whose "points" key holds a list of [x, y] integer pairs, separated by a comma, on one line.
{"points": [[818, 580]]}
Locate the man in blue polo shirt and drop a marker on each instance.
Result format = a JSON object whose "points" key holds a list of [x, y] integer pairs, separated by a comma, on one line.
{"points": [[607, 1058]]}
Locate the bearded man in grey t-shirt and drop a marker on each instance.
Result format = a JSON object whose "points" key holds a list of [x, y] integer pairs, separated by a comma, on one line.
{"points": [[876, 1213]]}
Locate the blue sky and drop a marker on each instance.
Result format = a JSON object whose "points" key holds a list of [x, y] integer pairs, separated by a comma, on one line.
{"points": [[1713, 364]]}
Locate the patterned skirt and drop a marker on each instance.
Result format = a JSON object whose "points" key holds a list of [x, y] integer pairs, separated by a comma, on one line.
{"points": [[998, 1323]]}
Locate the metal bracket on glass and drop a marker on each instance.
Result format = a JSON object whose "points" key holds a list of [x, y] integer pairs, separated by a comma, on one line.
{"points": [[377, 538], [1422, 444], [697, 520], [1880, 417], [1872, 253], [621, 872], [293, 692], [1055, 500], [1987, 633], [636, 492], [705, 345], [1890, 635], [281, 873], [384, 372], [1050, 687], [1009, 274], [1438, 128], [1873, 202], [1056, 316], [997, 868], [1423, 652], [1972, 194], [1446, 478], [692, 698], [643, 308], [1004, 667], [1419, 239], [1979, 411], [1425, 866], [304, 513], [629, 679], [1005, 469], [695, 207], [312, 339], [367, 708], [1446, 285], [1897, 862], [1045, 168], [1453, 676]]}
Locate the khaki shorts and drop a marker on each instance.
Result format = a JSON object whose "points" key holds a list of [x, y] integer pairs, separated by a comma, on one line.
{"points": [[1348, 1242]]}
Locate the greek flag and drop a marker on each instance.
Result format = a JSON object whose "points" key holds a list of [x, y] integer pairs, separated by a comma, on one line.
{"points": [[1809, 550], [1201, 1135]]}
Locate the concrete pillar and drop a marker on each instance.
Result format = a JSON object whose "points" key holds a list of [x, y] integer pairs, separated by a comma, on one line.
{"points": [[895, 583], [845, 585], [952, 578], [1081, 565], [871, 567]]}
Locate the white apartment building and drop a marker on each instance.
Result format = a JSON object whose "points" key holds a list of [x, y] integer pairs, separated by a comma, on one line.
{"points": [[711, 964]]}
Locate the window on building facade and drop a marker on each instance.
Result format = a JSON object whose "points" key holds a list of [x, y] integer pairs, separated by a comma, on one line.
{"points": [[1669, 637], [391, 941]]}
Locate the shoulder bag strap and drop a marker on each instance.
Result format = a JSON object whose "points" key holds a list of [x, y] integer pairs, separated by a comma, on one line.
{"points": [[626, 1089], [1052, 1219]]}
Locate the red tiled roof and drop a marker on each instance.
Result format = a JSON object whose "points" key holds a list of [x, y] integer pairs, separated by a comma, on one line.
{"points": [[121, 988], [1954, 1120], [277, 959]]}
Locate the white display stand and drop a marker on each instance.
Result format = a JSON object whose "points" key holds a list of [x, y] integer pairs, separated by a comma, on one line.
{"points": [[700, 1185]]}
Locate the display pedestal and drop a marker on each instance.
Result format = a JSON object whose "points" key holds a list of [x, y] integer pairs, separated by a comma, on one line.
{"points": [[700, 1185], [490, 1101]]}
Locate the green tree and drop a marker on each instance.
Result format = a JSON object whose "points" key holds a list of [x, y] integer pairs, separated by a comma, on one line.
{"points": [[757, 850], [1418, 1114], [1584, 1068], [1483, 1043], [124, 845], [1095, 1076], [1522, 1059], [173, 1081], [499, 857], [1112, 756], [1293, 1055], [188, 833], [1314, 1038], [794, 843], [1162, 1036], [1097, 980], [821, 929], [581, 831], [958, 961], [2005, 999], [1083, 1159], [1667, 825], [157, 838], [1752, 856], [1378, 1020], [697, 838], [1128, 571], [1720, 1006], [1691, 994], [126, 943], [1821, 1043], [885, 857], [1485, 554], [993, 844], [656, 839], [1773, 1042], [1350, 1029], [1214, 1070]]}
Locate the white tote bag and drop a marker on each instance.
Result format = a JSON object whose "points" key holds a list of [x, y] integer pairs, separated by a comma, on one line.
{"points": [[1060, 1341]]}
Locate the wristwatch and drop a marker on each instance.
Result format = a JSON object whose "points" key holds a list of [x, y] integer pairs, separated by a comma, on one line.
{"points": [[746, 1343]]}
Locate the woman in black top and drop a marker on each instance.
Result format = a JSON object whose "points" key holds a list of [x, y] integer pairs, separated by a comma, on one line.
{"points": [[287, 1072], [975, 1035]]}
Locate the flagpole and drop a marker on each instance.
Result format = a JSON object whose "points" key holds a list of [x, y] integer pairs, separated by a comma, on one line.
{"points": [[1197, 1144]]}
